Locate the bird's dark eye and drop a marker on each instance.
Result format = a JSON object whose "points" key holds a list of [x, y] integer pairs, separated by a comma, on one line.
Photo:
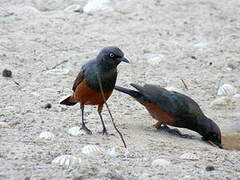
{"points": [[111, 55]]}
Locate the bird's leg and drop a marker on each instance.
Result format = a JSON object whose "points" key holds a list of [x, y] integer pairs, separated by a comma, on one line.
{"points": [[84, 127], [104, 131], [158, 125]]}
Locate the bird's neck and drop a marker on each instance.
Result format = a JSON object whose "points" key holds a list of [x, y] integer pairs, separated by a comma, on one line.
{"points": [[106, 66], [204, 124]]}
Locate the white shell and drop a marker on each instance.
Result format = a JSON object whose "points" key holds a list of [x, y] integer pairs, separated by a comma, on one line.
{"points": [[73, 8], [46, 135], [189, 156], [221, 102], [92, 150], [97, 5], [237, 96], [4, 125], [226, 90], [67, 161], [76, 131], [160, 162]]}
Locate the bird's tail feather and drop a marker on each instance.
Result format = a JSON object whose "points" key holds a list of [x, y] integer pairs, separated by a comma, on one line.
{"points": [[130, 92], [68, 101]]}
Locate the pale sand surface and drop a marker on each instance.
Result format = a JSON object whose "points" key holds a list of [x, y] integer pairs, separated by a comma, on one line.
{"points": [[165, 40]]}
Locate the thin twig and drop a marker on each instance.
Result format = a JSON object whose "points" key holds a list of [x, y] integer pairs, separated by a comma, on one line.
{"points": [[185, 85], [16, 83], [54, 67], [114, 125]]}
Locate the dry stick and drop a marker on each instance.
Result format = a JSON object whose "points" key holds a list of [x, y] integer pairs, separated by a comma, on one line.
{"points": [[54, 67], [114, 125], [185, 85], [16, 83]]}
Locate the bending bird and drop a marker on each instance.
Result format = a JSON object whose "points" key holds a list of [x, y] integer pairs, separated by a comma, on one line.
{"points": [[175, 109]]}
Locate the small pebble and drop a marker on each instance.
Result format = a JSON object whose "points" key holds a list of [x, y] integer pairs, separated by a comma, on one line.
{"points": [[193, 57], [7, 73], [97, 5], [210, 168], [47, 106]]}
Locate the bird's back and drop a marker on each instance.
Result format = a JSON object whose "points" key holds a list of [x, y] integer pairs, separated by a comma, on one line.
{"points": [[181, 106]]}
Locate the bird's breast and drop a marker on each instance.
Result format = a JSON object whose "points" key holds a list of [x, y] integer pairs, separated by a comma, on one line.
{"points": [[159, 114], [107, 80], [86, 95]]}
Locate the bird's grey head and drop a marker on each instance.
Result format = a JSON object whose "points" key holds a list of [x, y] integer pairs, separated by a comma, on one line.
{"points": [[211, 133], [111, 56]]}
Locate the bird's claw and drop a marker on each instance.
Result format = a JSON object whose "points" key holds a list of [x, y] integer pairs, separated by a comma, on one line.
{"points": [[88, 131], [174, 132], [104, 132]]}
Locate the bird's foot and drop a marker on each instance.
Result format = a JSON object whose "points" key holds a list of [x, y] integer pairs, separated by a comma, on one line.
{"points": [[174, 132], [104, 131], [88, 131], [164, 128]]}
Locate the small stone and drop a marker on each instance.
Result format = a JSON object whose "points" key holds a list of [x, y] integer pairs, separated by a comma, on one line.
{"points": [[97, 5], [160, 162], [193, 57], [210, 168], [7, 73], [46, 135], [47, 106]]}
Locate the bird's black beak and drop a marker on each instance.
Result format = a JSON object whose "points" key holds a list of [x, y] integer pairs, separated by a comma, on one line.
{"points": [[216, 144], [123, 59]]}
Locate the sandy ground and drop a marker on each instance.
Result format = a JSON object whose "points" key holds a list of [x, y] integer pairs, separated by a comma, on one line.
{"points": [[165, 40]]}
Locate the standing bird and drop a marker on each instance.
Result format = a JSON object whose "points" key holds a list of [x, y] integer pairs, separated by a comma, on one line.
{"points": [[175, 109], [86, 88]]}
